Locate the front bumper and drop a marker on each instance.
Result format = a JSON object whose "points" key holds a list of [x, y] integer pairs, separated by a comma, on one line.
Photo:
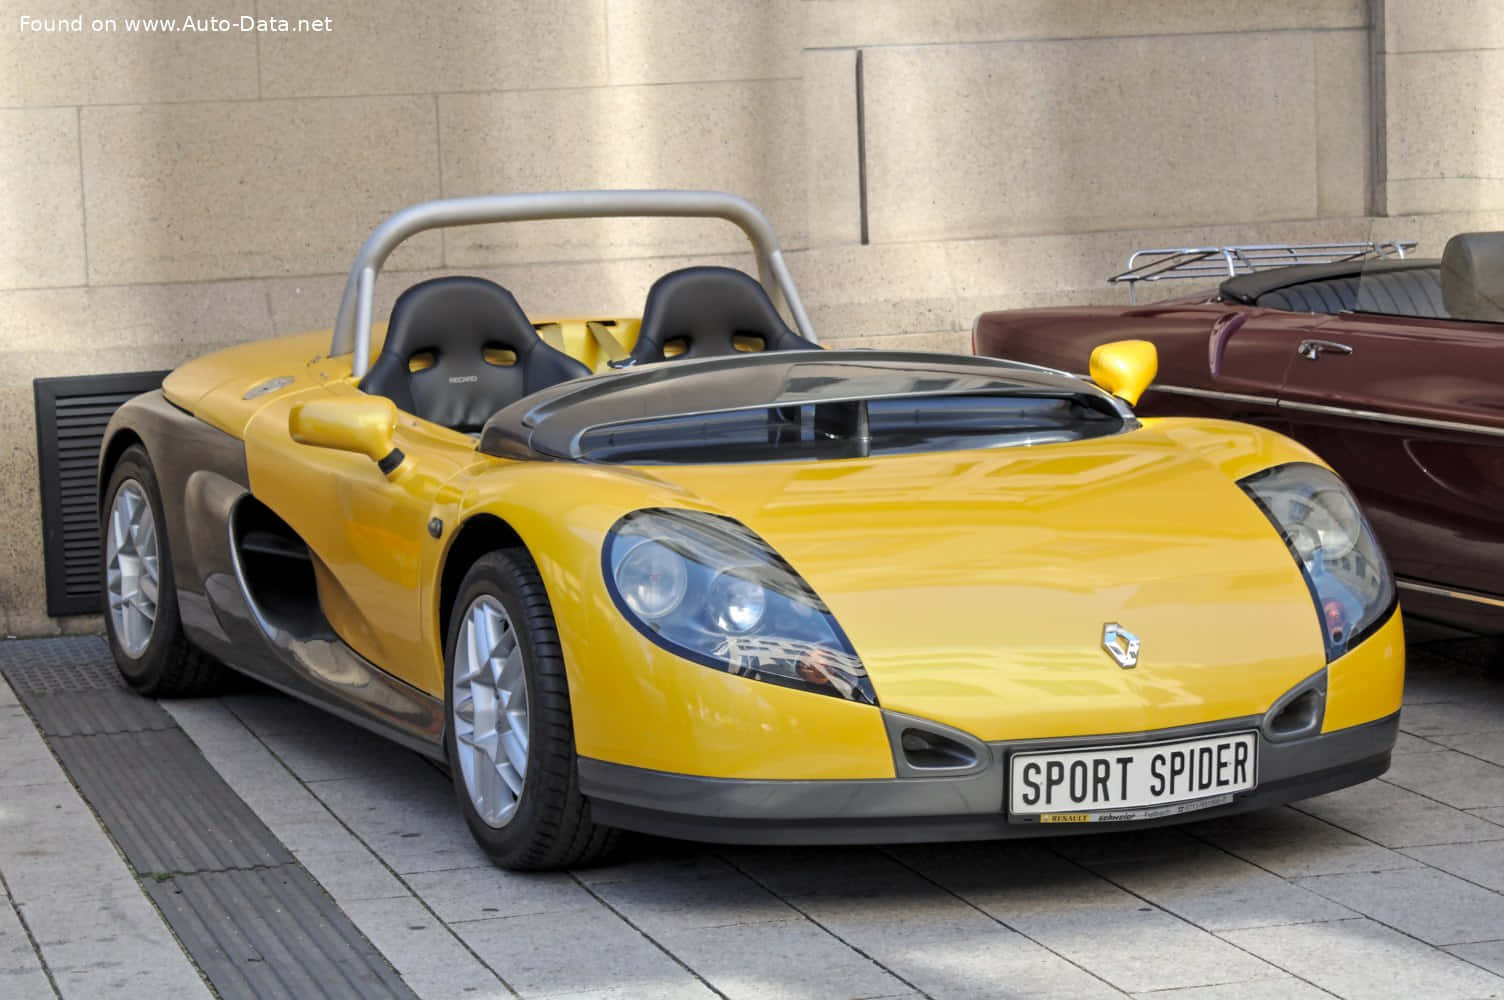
{"points": [[970, 806]]}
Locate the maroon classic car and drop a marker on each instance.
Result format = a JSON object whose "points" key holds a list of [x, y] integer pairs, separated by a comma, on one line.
{"points": [[1391, 369]]}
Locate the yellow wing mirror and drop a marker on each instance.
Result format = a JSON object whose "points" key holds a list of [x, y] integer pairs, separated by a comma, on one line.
{"points": [[364, 425], [1125, 368]]}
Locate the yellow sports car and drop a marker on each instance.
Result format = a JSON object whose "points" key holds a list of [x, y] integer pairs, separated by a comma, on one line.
{"points": [[693, 575]]}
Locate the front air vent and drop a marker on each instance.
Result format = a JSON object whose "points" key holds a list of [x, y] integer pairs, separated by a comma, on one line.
{"points": [[929, 751], [71, 415]]}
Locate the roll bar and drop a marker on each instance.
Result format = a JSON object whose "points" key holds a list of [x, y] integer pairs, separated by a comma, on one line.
{"points": [[352, 326]]}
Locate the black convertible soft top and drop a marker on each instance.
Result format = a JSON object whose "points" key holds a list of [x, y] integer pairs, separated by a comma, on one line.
{"points": [[552, 422], [1247, 288]]}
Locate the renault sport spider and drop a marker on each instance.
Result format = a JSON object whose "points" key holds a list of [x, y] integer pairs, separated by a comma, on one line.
{"points": [[691, 574]]}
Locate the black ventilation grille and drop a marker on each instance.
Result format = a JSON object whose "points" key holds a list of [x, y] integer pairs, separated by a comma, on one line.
{"points": [[71, 418]]}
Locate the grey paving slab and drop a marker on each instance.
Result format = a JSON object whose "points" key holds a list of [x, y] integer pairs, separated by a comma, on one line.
{"points": [[1362, 958], [52, 846], [1030, 880], [407, 816], [796, 873], [1489, 746], [346, 868], [1286, 988], [1137, 947], [690, 989], [7, 696], [24, 761], [1134, 845], [1292, 844], [21, 973], [488, 892], [1495, 815], [314, 745], [1409, 743], [1088, 920], [1451, 718], [1397, 817], [1488, 955], [1217, 891], [690, 904], [1482, 863], [573, 952], [110, 942], [652, 860], [430, 959], [784, 959], [1451, 777], [948, 948], [1431, 905]]}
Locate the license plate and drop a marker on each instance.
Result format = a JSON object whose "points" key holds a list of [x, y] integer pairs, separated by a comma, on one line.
{"points": [[1137, 781]]}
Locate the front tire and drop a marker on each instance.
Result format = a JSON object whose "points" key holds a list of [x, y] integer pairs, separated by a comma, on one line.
{"points": [[510, 735], [141, 617]]}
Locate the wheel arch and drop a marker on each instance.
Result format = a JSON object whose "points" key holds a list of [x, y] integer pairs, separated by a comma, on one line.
{"points": [[479, 534], [109, 453]]}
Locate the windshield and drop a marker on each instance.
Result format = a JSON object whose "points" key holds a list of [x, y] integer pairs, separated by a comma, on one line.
{"points": [[856, 429]]}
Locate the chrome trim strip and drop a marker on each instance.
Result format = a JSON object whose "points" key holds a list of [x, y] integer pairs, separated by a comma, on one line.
{"points": [[1389, 418], [1338, 411], [1235, 397], [1451, 592]]}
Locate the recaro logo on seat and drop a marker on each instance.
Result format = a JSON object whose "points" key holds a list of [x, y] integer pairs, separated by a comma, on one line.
{"points": [[464, 378]]}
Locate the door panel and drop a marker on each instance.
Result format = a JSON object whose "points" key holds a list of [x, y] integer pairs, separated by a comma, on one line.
{"points": [[1432, 492], [368, 532], [1251, 366]]}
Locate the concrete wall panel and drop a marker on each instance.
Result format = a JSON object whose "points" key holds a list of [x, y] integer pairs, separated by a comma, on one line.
{"points": [[742, 137], [401, 47], [913, 22], [672, 41], [1039, 137], [41, 228], [1442, 25], [122, 66], [1445, 131], [201, 191]]}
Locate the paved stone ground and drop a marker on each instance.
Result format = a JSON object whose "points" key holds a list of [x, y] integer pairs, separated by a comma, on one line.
{"points": [[1391, 889]]}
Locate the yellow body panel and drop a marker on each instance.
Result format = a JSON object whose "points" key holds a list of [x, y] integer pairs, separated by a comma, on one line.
{"points": [[1369, 681], [974, 585], [374, 558], [984, 580]]}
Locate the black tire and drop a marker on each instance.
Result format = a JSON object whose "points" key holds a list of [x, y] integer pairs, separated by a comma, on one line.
{"points": [[169, 666], [551, 826]]}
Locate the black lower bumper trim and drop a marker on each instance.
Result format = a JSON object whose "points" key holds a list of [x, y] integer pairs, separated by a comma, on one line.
{"points": [[917, 830], [916, 810]]}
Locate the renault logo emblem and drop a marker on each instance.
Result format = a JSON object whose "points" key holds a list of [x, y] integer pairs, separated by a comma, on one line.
{"points": [[1121, 645]]}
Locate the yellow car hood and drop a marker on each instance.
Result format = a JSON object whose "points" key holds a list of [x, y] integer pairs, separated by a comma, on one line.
{"points": [[975, 585]]}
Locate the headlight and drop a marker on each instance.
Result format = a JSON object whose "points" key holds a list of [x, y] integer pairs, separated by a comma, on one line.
{"points": [[1335, 547], [708, 589]]}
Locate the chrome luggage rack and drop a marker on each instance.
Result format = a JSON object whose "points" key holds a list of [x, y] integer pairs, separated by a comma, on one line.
{"points": [[1226, 262]]}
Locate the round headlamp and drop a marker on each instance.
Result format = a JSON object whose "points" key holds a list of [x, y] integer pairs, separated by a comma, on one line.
{"points": [[652, 578], [736, 603]]}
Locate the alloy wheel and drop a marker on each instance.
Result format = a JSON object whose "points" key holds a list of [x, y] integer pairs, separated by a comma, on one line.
{"points": [[131, 568], [490, 702]]}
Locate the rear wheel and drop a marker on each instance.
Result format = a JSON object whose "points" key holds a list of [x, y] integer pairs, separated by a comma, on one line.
{"points": [[141, 600], [510, 736]]}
